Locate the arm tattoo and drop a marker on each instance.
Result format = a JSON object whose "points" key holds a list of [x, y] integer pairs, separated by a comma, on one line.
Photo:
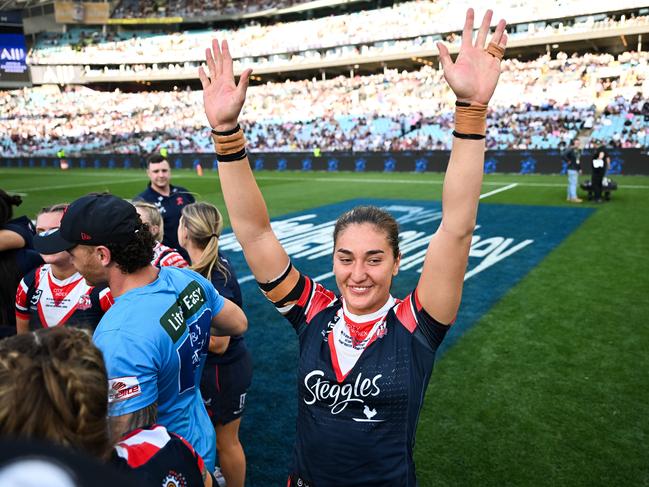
{"points": [[119, 425]]}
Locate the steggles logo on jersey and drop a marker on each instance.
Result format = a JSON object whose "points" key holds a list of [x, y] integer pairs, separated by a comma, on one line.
{"points": [[339, 396]]}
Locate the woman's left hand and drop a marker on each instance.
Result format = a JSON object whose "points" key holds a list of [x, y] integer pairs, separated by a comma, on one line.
{"points": [[474, 74]]}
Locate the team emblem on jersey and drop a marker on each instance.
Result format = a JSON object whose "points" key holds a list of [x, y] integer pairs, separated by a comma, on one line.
{"points": [[122, 388], [382, 330], [84, 302], [179, 200], [174, 479], [36, 297]]}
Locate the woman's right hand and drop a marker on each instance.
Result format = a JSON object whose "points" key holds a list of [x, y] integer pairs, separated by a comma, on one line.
{"points": [[222, 98]]}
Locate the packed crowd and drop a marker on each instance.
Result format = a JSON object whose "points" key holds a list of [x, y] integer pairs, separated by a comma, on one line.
{"points": [[403, 27], [350, 54], [363, 113], [196, 8]]}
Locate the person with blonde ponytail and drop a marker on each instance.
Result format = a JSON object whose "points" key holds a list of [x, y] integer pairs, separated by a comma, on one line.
{"points": [[162, 255], [228, 370], [53, 388]]}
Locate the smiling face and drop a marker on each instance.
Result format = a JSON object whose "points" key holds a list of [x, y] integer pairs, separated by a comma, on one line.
{"points": [[159, 174], [364, 265]]}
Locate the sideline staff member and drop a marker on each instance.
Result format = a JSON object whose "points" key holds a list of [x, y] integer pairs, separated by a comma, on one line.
{"points": [[169, 199]]}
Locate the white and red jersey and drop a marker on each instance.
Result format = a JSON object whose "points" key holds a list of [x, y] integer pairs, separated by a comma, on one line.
{"points": [[47, 301], [164, 256], [159, 457]]}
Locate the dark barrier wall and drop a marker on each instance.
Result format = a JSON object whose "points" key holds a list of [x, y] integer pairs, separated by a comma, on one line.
{"points": [[623, 161]]}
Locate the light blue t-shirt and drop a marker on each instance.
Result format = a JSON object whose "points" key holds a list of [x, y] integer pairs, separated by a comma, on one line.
{"points": [[154, 340]]}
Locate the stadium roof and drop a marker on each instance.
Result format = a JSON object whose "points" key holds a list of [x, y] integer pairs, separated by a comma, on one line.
{"points": [[21, 4]]}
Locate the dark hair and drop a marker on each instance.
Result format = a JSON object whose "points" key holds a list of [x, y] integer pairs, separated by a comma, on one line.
{"points": [[53, 387], [136, 254], [11, 276], [6, 203], [155, 159], [373, 215]]}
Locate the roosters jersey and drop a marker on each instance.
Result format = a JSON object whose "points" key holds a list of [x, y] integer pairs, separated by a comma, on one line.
{"points": [[158, 457], [47, 301], [361, 385], [164, 256]]}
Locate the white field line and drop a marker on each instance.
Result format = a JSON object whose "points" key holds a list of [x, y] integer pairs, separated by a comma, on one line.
{"points": [[75, 185], [319, 179], [499, 190]]}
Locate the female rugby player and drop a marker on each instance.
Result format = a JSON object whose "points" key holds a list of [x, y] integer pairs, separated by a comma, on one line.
{"points": [[228, 368], [365, 357]]}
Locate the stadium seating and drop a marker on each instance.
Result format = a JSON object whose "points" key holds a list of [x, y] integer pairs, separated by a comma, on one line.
{"points": [[391, 111], [405, 27]]}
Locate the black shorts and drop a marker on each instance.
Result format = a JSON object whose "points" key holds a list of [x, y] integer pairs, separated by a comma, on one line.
{"points": [[224, 388]]}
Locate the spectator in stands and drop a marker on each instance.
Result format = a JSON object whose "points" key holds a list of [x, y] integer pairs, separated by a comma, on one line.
{"points": [[228, 369], [53, 387], [169, 199], [162, 255], [55, 294], [17, 257], [571, 156], [153, 365]]}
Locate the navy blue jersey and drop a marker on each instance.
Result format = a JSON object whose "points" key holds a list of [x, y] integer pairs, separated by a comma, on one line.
{"points": [[26, 257], [228, 287], [170, 208], [359, 392]]}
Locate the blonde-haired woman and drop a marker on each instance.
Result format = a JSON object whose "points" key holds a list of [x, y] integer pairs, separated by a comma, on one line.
{"points": [[162, 255], [228, 370]]}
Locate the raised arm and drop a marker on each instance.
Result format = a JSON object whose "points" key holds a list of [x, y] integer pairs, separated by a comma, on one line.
{"points": [[473, 78], [223, 100]]}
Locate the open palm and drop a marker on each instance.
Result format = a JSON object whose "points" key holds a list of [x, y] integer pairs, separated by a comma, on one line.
{"points": [[222, 97], [474, 75]]}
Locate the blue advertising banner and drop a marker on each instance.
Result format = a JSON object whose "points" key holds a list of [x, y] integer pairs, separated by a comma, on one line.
{"points": [[13, 58]]}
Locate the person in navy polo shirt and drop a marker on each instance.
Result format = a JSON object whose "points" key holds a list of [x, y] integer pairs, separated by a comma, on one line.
{"points": [[169, 199], [365, 357]]}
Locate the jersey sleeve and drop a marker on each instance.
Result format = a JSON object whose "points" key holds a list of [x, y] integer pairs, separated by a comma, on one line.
{"points": [[172, 259], [297, 297], [414, 317], [132, 367], [22, 300], [105, 299]]}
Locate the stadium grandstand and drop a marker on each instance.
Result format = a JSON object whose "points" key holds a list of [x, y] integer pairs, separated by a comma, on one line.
{"points": [[347, 76]]}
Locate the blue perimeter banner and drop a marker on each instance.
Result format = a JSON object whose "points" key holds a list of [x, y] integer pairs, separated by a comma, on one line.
{"points": [[508, 242]]}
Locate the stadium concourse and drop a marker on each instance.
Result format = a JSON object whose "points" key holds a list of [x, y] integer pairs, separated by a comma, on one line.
{"points": [[542, 378]]}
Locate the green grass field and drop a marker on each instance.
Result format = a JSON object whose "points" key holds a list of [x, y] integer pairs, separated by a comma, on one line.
{"points": [[552, 386]]}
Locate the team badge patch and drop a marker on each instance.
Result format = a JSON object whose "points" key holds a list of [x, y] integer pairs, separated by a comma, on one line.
{"points": [[84, 302], [174, 479], [122, 388]]}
